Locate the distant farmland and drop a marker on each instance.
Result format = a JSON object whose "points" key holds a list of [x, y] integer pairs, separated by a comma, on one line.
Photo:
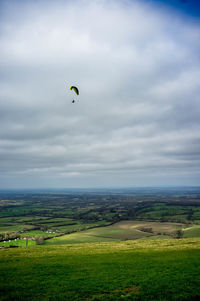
{"points": [[128, 230]]}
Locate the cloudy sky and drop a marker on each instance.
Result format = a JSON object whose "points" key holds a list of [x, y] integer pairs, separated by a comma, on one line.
{"points": [[136, 121]]}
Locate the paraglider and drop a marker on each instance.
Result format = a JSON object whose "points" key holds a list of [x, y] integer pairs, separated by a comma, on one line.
{"points": [[75, 89]]}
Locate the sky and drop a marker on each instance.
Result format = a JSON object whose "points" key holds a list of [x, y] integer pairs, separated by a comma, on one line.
{"points": [[136, 121]]}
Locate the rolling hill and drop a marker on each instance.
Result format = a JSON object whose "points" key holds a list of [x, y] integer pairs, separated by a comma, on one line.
{"points": [[141, 270]]}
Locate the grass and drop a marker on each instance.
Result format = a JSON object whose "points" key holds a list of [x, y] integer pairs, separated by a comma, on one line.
{"points": [[14, 224], [76, 238], [117, 233], [37, 232], [17, 243], [193, 231], [159, 270], [78, 226], [158, 211], [155, 237], [15, 228], [124, 230]]}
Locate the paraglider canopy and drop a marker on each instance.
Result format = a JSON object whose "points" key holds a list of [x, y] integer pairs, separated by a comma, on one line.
{"points": [[75, 89]]}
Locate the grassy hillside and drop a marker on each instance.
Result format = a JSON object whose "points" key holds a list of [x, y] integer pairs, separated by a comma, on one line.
{"points": [[192, 231], [165, 270]]}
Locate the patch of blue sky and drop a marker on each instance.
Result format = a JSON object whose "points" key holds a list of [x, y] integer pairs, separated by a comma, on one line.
{"points": [[185, 7]]}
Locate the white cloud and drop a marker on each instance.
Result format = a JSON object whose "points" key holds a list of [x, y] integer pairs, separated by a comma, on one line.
{"points": [[136, 121]]}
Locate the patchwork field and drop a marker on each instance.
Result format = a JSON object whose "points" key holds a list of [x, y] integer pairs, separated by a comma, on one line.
{"points": [[160, 270], [14, 227], [125, 230]]}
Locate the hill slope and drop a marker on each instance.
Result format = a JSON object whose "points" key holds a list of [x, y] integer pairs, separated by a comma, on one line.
{"points": [[131, 270]]}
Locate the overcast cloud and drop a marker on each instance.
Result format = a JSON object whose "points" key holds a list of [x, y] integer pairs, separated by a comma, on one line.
{"points": [[136, 121]]}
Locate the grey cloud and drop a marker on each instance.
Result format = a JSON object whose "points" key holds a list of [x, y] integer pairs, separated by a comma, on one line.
{"points": [[136, 121]]}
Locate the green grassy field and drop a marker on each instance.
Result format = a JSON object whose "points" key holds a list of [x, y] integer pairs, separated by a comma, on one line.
{"points": [[17, 243], [192, 231], [14, 228], [76, 238], [28, 224], [124, 230], [156, 270], [180, 214]]}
